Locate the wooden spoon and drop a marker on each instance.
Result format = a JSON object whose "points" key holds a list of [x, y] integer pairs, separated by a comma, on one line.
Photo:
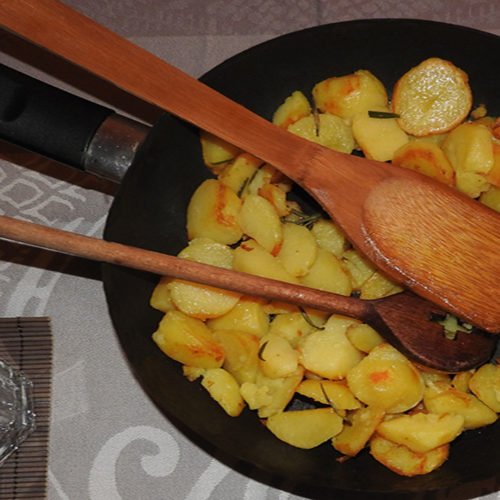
{"points": [[404, 319], [442, 245]]}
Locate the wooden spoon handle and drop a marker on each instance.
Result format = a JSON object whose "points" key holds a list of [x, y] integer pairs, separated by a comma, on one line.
{"points": [[63, 31], [175, 267]]}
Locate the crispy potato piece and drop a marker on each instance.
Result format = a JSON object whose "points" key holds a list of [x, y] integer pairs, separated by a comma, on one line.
{"points": [[224, 388], [275, 195], [277, 358], [325, 129], [461, 380], [295, 107], [240, 354], [354, 437], [493, 175], [293, 326], [422, 432], [348, 95], [451, 400], [363, 337], [405, 462], [432, 98], [259, 220], [216, 152], [328, 274], [427, 158], [305, 428], [491, 198], [379, 138], [329, 237], [337, 393], [248, 315], [378, 286], [359, 269], [250, 257], [387, 379], [469, 148], [160, 298], [328, 352], [213, 213], [201, 301], [485, 384], [298, 250], [237, 174], [270, 396], [208, 251], [188, 341]]}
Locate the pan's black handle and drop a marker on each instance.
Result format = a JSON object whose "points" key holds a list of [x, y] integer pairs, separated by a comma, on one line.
{"points": [[66, 128]]}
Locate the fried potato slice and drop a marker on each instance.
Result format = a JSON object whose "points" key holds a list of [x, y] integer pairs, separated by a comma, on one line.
{"points": [[295, 107], [224, 388], [305, 428], [329, 392], [422, 432], [485, 384], [405, 462], [387, 379], [427, 158], [432, 97], [353, 438], [188, 341]]}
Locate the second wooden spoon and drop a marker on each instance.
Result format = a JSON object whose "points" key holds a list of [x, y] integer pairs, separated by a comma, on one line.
{"points": [[404, 319], [434, 240]]}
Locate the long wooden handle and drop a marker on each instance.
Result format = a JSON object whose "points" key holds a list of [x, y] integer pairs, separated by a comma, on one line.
{"points": [[175, 267], [63, 31]]}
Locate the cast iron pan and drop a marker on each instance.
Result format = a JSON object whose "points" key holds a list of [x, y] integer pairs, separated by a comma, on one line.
{"points": [[149, 211]]}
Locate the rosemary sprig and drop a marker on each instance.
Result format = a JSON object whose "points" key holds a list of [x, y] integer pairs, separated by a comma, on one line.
{"points": [[261, 350], [220, 162], [316, 121], [308, 319], [334, 408], [249, 180], [302, 218], [382, 114]]}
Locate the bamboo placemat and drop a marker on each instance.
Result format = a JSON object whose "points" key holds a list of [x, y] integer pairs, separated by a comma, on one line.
{"points": [[26, 344]]}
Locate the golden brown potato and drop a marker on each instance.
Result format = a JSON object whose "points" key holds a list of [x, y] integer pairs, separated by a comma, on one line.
{"points": [[378, 138], [469, 148], [485, 384], [213, 213], [329, 237], [240, 353], [188, 341], [363, 337], [353, 438], [295, 107], [216, 152], [298, 250], [405, 462], [277, 358], [327, 273], [222, 386], [329, 392], [451, 400], [248, 315], [426, 158], [305, 428], [325, 129], [385, 378], [422, 432], [328, 352], [259, 220], [348, 95], [160, 298], [432, 98]]}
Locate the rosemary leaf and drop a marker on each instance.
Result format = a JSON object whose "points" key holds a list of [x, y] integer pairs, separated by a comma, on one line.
{"points": [[220, 162], [334, 408], [309, 321], [382, 114], [261, 350]]}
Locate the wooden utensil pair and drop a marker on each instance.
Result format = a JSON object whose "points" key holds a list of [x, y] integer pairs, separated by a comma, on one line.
{"points": [[439, 243]]}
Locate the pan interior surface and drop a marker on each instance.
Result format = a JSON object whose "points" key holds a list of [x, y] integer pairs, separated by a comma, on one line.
{"points": [[149, 212]]}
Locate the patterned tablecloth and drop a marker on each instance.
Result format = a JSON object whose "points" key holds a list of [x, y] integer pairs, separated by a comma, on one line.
{"points": [[107, 440]]}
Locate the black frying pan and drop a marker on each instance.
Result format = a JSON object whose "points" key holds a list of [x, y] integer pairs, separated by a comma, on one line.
{"points": [[149, 211]]}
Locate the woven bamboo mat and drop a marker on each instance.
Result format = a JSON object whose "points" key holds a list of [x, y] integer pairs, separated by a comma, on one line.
{"points": [[26, 344]]}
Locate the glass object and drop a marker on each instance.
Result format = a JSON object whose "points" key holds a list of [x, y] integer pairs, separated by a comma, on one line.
{"points": [[17, 417]]}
